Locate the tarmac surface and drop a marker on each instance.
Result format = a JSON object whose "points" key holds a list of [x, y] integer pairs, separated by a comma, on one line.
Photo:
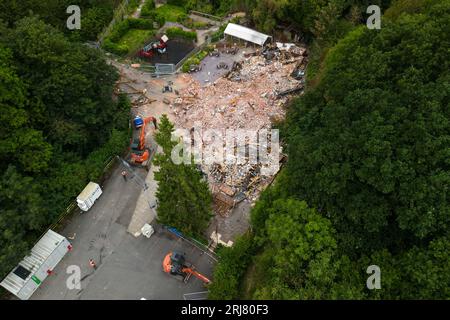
{"points": [[209, 71], [176, 51], [128, 268]]}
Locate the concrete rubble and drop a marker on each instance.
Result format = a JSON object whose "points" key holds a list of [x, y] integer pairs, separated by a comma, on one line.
{"points": [[251, 96]]}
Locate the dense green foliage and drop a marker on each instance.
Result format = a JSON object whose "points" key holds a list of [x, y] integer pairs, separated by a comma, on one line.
{"points": [[216, 7], [378, 126], [185, 201], [59, 125], [229, 273], [95, 14], [175, 32], [128, 36], [147, 8], [367, 180]]}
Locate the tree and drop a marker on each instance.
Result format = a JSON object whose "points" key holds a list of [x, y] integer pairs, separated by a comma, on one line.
{"points": [[18, 228], [185, 201], [96, 14], [303, 247], [19, 143], [367, 147], [69, 85], [231, 268], [370, 141], [59, 124]]}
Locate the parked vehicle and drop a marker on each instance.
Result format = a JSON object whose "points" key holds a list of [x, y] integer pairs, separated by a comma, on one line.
{"points": [[215, 53], [194, 68], [87, 197]]}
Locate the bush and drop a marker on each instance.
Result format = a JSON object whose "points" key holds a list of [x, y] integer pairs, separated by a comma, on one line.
{"points": [[132, 6], [231, 268], [195, 59], [147, 8], [95, 163], [112, 42], [115, 48], [216, 36], [175, 32], [142, 24], [119, 30], [191, 24]]}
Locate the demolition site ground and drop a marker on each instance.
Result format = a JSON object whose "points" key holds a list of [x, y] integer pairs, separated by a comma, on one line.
{"points": [[249, 93], [237, 88]]}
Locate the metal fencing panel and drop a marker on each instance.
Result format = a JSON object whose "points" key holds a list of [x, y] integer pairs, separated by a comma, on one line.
{"points": [[162, 68]]}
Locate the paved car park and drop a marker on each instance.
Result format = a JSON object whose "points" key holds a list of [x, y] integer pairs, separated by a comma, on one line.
{"points": [[127, 267]]}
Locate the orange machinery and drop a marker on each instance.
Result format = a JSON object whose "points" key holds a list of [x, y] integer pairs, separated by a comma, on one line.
{"points": [[175, 264], [140, 154]]}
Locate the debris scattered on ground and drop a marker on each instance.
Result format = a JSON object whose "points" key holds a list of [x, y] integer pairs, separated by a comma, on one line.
{"points": [[251, 96]]}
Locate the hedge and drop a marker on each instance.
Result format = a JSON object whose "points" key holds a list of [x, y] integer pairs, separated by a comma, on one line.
{"points": [[195, 59], [216, 36], [120, 29], [115, 48], [176, 32]]}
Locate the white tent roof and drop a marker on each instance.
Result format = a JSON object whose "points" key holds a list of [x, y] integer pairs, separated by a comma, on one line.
{"points": [[247, 34]]}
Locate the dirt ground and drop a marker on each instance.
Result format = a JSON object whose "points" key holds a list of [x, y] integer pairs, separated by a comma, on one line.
{"points": [[248, 98]]}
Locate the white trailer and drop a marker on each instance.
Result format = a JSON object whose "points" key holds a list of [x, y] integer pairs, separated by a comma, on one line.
{"points": [[87, 197], [23, 280]]}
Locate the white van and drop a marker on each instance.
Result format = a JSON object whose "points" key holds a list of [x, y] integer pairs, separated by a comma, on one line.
{"points": [[87, 197]]}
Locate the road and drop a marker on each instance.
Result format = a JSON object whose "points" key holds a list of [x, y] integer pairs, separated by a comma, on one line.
{"points": [[127, 267]]}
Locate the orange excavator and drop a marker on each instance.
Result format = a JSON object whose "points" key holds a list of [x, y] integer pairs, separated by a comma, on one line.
{"points": [[140, 154], [175, 264]]}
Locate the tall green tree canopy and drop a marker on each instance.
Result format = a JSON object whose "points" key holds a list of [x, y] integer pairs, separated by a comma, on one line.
{"points": [[95, 14], [371, 142], [184, 198], [59, 124], [368, 153]]}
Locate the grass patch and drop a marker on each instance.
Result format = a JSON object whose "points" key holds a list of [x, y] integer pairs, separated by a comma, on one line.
{"points": [[171, 13], [196, 25], [135, 38], [128, 35]]}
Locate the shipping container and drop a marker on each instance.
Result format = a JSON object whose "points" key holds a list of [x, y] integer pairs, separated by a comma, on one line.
{"points": [[23, 280]]}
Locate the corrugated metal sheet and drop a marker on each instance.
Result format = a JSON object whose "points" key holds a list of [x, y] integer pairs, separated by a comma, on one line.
{"points": [[246, 34], [38, 255]]}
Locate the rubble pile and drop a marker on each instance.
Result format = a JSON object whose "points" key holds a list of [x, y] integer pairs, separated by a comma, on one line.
{"points": [[247, 98], [251, 96]]}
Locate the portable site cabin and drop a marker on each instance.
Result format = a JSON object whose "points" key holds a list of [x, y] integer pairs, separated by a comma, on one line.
{"points": [[87, 197], [34, 268]]}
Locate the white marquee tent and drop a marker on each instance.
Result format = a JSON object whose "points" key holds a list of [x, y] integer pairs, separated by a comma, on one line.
{"points": [[246, 34]]}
